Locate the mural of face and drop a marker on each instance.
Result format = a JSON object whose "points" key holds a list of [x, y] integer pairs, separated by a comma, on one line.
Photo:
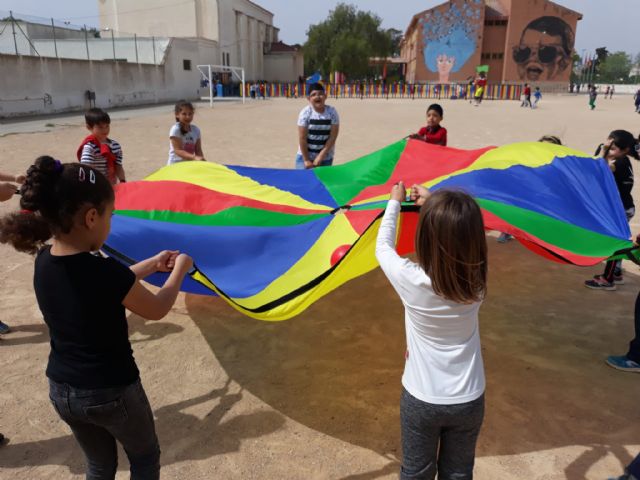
{"points": [[445, 65], [544, 49]]}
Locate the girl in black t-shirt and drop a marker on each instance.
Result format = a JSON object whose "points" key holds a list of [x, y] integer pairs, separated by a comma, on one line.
{"points": [[94, 381], [620, 145]]}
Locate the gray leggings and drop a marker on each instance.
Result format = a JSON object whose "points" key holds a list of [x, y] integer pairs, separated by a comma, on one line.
{"points": [[439, 438]]}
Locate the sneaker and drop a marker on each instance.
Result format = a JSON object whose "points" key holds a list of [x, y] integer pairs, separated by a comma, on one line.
{"points": [[599, 283], [4, 328], [504, 238], [623, 363], [618, 279]]}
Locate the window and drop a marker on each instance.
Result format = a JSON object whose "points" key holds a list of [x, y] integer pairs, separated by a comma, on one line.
{"points": [[186, 64], [488, 23], [228, 59]]}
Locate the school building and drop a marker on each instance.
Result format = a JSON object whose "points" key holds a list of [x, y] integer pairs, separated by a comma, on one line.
{"points": [[519, 40], [243, 32]]}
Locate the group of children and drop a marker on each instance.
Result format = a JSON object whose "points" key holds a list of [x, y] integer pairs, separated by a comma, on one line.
{"points": [[94, 382], [526, 96]]}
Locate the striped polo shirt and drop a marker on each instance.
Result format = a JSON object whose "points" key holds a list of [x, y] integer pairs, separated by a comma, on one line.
{"points": [[91, 156], [318, 127]]}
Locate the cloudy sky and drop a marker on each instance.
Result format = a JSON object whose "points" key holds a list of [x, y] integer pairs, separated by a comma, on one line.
{"points": [[611, 23]]}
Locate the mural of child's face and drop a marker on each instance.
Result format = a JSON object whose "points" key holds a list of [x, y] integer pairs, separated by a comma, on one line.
{"points": [[445, 64], [539, 56]]}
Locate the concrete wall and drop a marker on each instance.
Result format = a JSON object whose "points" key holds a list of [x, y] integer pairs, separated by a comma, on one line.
{"points": [[283, 67], [40, 85]]}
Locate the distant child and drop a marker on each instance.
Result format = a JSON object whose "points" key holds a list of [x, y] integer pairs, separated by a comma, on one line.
{"points": [[526, 101], [94, 383], [7, 190], [433, 132], [442, 403], [98, 150], [481, 85], [636, 101], [318, 128], [537, 95], [619, 146], [593, 95], [185, 142]]}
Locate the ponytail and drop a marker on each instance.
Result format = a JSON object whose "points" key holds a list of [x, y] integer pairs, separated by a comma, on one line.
{"points": [[52, 194]]}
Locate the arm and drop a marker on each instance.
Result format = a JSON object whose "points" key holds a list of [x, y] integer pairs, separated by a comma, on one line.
{"points": [[177, 148], [162, 262], [154, 306], [120, 173], [390, 262], [7, 190], [304, 146], [5, 177], [333, 136], [199, 149]]}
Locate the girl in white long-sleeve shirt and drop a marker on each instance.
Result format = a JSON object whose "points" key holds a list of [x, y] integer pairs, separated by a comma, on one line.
{"points": [[442, 404]]}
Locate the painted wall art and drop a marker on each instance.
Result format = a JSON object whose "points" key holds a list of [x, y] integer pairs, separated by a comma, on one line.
{"points": [[451, 37], [544, 51]]}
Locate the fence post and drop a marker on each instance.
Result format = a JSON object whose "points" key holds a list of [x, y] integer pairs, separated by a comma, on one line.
{"points": [[113, 44], [13, 29], [55, 43], [153, 43], [86, 42], [135, 41]]}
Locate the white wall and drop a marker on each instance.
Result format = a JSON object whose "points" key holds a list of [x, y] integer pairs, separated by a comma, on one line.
{"points": [[283, 67], [40, 85]]}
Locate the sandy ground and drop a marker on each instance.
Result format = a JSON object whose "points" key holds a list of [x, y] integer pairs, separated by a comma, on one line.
{"points": [[317, 397]]}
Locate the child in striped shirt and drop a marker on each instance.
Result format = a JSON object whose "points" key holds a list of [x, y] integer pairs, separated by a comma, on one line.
{"points": [[99, 151]]}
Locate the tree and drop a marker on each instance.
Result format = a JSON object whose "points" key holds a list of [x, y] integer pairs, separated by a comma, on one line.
{"points": [[396, 39], [616, 68], [345, 41]]}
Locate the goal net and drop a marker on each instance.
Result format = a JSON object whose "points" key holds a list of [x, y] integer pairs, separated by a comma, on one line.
{"points": [[210, 74]]}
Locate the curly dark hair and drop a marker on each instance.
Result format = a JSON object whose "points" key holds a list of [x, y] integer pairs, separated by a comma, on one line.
{"points": [[52, 194]]}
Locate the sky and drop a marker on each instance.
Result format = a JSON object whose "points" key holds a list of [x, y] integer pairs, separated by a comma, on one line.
{"points": [[610, 23]]}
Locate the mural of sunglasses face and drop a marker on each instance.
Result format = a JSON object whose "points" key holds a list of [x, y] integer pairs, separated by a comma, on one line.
{"points": [[546, 53]]}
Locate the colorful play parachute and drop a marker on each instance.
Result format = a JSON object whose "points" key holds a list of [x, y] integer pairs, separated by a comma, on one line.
{"points": [[271, 242]]}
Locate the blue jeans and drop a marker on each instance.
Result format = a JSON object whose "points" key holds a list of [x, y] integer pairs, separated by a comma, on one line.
{"points": [[300, 162], [99, 417]]}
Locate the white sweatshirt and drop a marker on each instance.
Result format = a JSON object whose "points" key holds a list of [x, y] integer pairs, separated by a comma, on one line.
{"points": [[444, 359]]}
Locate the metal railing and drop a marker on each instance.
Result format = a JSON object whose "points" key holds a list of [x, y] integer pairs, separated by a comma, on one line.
{"points": [[48, 37]]}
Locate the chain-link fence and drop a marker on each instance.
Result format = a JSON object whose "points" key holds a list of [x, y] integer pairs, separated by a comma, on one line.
{"points": [[48, 37]]}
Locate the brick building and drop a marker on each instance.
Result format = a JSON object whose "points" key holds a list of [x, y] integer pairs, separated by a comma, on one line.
{"points": [[520, 41]]}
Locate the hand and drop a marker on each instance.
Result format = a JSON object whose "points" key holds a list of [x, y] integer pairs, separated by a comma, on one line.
{"points": [[165, 260], [319, 159], [183, 263], [20, 179], [398, 192], [308, 164], [199, 158], [419, 194], [7, 190]]}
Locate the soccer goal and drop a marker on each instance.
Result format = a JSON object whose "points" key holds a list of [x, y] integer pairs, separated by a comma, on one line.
{"points": [[207, 72]]}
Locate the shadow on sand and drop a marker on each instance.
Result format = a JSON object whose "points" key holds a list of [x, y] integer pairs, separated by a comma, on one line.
{"points": [[337, 367]]}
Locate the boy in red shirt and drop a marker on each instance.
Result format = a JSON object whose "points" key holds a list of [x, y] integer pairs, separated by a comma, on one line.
{"points": [[433, 132]]}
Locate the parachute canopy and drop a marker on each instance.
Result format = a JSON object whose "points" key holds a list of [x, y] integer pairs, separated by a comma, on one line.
{"points": [[272, 241]]}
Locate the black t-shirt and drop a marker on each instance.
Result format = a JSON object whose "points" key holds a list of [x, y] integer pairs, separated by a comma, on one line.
{"points": [[624, 180], [80, 297]]}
